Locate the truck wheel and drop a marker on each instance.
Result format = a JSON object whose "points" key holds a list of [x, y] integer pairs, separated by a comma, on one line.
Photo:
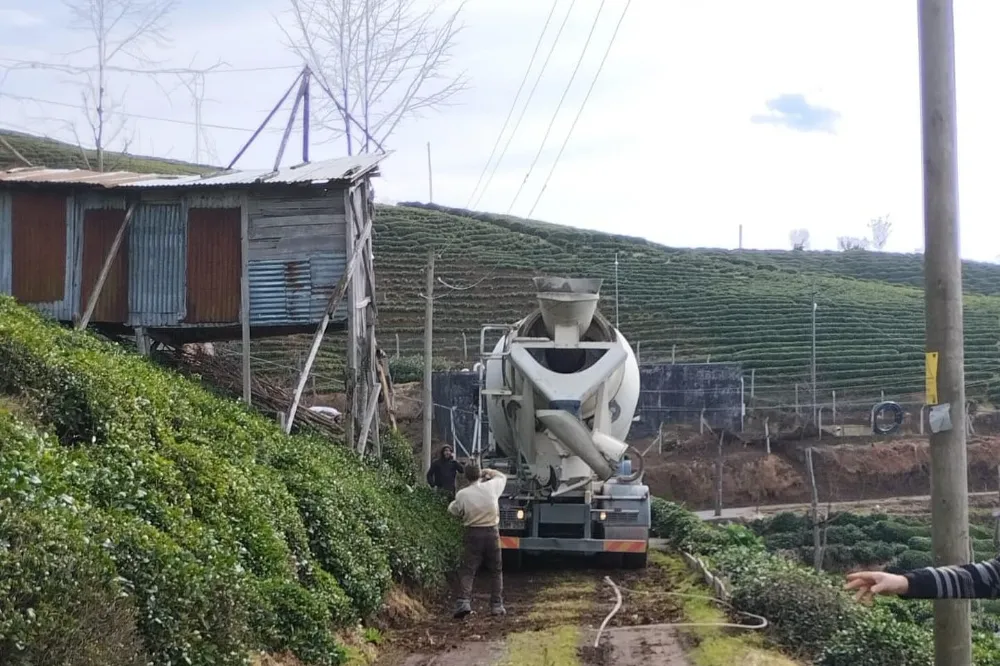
{"points": [[513, 560], [635, 560]]}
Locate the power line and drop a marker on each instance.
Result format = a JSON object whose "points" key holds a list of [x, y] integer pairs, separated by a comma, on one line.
{"points": [[139, 116], [548, 130], [76, 69], [582, 106], [531, 95], [520, 88]]}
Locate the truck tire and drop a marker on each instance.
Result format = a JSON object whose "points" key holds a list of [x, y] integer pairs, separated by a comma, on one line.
{"points": [[635, 560]]}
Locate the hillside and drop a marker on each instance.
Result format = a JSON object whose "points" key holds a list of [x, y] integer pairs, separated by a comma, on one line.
{"points": [[55, 154], [752, 307], [144, 520]]}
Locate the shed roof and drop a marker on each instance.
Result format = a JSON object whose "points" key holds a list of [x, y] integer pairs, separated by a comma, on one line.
{"points": [[326, 171]]}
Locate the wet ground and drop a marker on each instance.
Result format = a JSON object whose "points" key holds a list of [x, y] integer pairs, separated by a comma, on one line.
{"points": [[554, 609]]}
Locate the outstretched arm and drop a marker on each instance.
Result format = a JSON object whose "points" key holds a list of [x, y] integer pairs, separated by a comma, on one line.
{"points": [[980, 580]]}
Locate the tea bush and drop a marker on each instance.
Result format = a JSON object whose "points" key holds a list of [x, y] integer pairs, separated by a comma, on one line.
{"points": [[221, 534], [808, 612]]}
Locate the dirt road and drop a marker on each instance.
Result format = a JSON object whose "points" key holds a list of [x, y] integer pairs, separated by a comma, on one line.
{"points": [[554, 611]]}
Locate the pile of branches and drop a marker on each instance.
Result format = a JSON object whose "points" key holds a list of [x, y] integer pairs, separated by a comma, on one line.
{"points": [[225, 374]]}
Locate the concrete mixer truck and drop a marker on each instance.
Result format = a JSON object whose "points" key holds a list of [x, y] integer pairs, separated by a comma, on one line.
{"points": [[560, 390]]}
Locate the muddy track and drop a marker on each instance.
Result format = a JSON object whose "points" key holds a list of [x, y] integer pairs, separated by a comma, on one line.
{"points": [[553, 612]]}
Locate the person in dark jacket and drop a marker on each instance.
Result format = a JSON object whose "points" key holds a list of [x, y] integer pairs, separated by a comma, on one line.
{"points": [[443, 472], [964, 581]]}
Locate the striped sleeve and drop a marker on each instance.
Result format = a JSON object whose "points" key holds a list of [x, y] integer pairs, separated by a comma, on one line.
{"points": [[980, 580]]}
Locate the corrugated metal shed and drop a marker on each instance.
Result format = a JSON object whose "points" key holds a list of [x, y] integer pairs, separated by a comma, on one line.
{"points": [[325, 171], [339, 169], [157, 244], [39, 175]]}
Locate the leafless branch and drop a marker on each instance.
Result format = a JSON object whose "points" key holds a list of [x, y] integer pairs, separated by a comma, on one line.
{"points": [[116, 29], [383, 61]]}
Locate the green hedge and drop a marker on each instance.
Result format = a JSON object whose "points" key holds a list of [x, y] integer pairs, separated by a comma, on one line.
{"points": [[808, 612], [219, 534]]}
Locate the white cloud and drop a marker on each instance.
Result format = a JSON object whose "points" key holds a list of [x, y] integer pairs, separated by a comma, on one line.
{"points": [[666, 148]]}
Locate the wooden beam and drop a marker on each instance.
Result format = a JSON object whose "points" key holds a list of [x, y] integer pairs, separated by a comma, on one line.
{"points": [[370, 410], [245, 294], [331, 308], [385, 381], [303, 87], [106, 268]]}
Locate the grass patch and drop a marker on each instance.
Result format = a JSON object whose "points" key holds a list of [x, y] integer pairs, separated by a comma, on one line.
{"points": [[558, 646], [564, 603], [714, 646]]}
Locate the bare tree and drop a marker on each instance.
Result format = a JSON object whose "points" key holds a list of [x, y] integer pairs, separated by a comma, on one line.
{"points": [[382, 61], [881, 227], [849, 243], [799, 239], [118, 29]]}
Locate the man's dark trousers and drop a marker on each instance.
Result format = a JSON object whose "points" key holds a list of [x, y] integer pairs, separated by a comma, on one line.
{"points": [[482, 547]]}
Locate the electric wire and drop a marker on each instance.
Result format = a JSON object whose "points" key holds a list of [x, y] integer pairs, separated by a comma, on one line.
{"points": [[562, 99], [510, 112], [527, 104], [583, 105]]}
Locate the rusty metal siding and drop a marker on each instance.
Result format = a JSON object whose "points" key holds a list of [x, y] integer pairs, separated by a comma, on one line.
{"points": [[325, 271], [38, 247], [5, 244], [100, 225], [213, 265], [156, 248]]}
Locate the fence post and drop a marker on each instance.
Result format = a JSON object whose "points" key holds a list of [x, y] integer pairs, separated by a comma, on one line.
{"points": [[834, 408], [922, 408], [743, 405], [673, 354], [718, 477], [767, 433], [819, 423], [796, 398], [465, 347], [638, 352], [397, 346], [817, 547]]}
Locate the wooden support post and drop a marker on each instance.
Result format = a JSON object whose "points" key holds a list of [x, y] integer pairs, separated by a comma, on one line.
{"points": [[245, 296], [370, 410], [817, 545], [718, 476], [331, 307], [390, 406], [95, 294]]}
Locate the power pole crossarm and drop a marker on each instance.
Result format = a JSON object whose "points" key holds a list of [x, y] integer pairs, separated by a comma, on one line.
{"points": [[944, 330]]}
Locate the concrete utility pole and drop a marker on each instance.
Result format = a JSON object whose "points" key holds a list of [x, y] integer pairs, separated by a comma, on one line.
{"points": [[428, 360], [945, 336]]}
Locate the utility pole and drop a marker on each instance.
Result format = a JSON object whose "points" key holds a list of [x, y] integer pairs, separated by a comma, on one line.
{"points": [[428, 358], [815, 416], [616, 291], [944, 328], [430, 176]]}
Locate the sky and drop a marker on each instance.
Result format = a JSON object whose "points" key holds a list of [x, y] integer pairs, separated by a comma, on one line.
{"points": [[774, 115]]}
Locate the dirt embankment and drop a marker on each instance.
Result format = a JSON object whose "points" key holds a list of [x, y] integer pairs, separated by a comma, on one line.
{"points": [[854, 470]]}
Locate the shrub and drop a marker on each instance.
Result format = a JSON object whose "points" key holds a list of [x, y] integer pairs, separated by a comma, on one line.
{"points": [[878, 639], [220, 531], [910, 559], [783, 541], [804, 609]]}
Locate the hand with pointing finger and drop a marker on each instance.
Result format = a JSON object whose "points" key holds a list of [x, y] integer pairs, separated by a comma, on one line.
{"points": [[871, 583]]}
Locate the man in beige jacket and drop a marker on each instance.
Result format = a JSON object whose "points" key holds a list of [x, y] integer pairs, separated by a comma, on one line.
{"points": [[478, 505]]}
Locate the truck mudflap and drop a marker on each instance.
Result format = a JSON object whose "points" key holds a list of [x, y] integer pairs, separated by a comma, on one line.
{"points": [[542, 544]]}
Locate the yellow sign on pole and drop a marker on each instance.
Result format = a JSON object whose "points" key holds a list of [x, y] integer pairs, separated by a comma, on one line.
{"points": [[930, 378]]}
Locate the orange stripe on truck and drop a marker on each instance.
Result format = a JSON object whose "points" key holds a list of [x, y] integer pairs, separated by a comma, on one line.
{"points": [[624, 546], [509, 542]]}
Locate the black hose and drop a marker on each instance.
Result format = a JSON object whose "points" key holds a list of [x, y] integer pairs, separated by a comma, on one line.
{"points": [[881, 409]]}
